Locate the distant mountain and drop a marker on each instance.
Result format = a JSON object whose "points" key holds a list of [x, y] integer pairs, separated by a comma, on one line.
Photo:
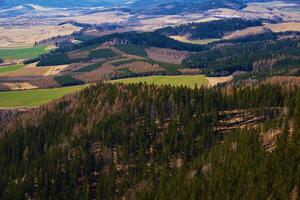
{"points": [[61, 3], [89, 3]]}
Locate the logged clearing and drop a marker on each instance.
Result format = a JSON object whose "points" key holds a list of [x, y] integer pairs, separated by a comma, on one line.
{"points": [[184, 80], [166, 55], [30, 98], [27, 36], [22, 53]]}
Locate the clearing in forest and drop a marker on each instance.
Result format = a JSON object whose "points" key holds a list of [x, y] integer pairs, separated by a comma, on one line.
{"points": [[36, 97], [182, 80]]}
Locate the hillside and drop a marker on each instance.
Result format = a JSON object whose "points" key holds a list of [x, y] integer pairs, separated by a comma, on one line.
{"points": [[146, 142]]}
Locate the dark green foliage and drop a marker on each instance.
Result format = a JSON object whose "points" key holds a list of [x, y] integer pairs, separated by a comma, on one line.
{"points": [[242, 56], [115, 140], [67, 80], [132, 49], [58, 58], [153, 39], [212, 29], [32, 60], [90, 68], [54, 59], [101, 53]]}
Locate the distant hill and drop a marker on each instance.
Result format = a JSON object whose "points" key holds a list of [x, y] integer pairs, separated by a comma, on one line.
{"points": [[135, 4], [59, 3]]}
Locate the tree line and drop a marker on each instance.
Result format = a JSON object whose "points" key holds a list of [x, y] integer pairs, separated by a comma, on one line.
{"points": [[113, 141]]}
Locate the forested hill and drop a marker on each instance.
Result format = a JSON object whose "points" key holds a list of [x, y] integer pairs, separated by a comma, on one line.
{"points": [[212, 29], [147, 142]]}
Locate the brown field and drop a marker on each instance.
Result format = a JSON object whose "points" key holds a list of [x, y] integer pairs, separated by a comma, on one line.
{"points": [[212, 81], [246, 32], [100, 74], [283, 27], [26, 71], [166, 55], [284, 80], [102, 17], [27, 36], [20, 86]]}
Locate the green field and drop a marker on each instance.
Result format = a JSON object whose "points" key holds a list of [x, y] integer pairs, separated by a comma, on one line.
{"points": [[10, 68], [132, 49], [22, 53], [29, 98], [184, 80]]}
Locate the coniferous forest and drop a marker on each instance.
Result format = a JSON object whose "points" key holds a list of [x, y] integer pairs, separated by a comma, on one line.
{"points": [[148, 142]]}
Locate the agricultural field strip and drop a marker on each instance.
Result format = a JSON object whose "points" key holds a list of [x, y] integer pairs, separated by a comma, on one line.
{"points": [[36, 97]]}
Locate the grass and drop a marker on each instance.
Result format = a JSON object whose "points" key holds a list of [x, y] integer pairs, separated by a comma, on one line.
{"points": [[132, 49], [10, 68], [185, 80], [30, 98], [23, 53], [201, 42]]}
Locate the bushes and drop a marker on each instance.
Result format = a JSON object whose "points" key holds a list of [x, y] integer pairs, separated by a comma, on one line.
{"points": [[67, 80], [32, 60], [54, 59]]}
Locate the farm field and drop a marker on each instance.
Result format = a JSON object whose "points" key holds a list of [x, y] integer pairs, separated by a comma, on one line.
{"points": [[10, 68], [186, 40], [27, 35], [23, 53], [184, 80], [30, 98]]}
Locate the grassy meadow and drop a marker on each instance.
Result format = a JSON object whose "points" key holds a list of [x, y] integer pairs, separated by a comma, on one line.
{"points": [[182, 80], [23, 53], [11, 68], [201, 42], [37, 97]]}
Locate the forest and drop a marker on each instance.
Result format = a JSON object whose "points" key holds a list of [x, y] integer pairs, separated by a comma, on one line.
{"points": [[246, 56], [115, 141], [211, 29]]}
